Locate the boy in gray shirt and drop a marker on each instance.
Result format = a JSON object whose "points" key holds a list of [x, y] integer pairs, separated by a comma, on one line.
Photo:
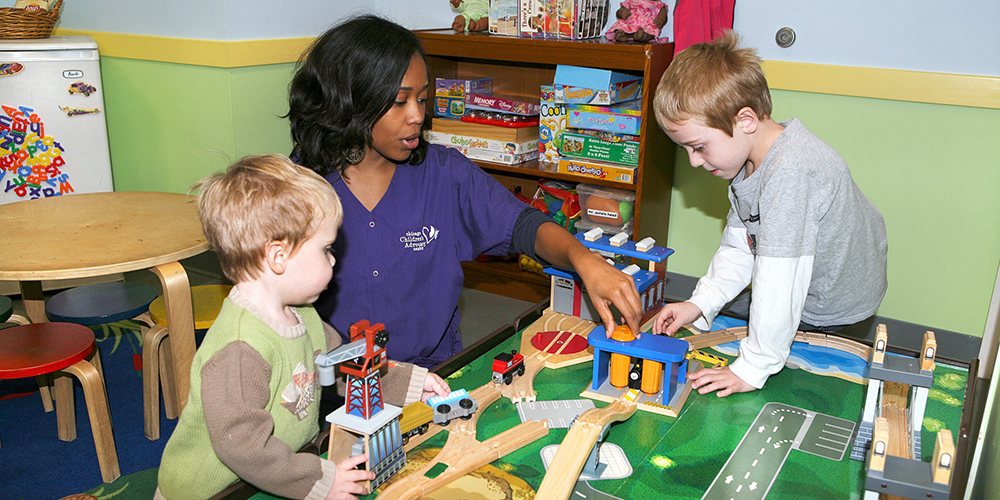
{"points": [[799, 228]]}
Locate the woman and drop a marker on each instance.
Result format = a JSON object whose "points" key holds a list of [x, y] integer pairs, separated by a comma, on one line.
{"points": [[412, 211]]}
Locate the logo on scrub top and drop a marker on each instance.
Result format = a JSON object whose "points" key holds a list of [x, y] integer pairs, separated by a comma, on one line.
{"points": [[418, 240]]}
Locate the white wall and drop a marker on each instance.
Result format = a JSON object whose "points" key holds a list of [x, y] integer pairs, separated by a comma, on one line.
{"points": [[959, 36], [255, 19]]}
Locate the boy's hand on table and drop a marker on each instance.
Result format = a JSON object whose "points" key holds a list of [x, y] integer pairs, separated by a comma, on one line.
{"points": [[720, 379], [434, 385], [345, 485], [674, 316]]}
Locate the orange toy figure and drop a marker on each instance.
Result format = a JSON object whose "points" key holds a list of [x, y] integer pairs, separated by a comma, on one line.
{"points": [[640, 20], [474, 15]]}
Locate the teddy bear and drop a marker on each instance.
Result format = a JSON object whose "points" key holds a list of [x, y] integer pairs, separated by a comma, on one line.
{"points": [[474, 15], [640, 20]]}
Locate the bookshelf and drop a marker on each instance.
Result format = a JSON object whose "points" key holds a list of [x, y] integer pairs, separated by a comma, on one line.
{"points": [[519, 66]]}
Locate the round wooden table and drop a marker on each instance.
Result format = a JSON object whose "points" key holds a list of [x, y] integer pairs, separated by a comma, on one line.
{"points": [[98, 234]]}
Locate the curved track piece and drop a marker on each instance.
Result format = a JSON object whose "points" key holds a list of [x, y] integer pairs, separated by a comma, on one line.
{"points": [[710, 339], [572, 454], [703, 340], [571, 326]]}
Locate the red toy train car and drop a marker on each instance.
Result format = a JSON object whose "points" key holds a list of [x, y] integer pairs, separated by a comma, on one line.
{"points": [[504, 366]]}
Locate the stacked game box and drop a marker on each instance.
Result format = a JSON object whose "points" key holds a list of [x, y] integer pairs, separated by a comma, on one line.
{"points": [[492, 128], [509, 150], [602, 142], [449, 94], [551, 125], [599, 137]]}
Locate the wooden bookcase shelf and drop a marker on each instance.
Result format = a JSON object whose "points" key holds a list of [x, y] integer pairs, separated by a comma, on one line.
{"points": [[518, 67]]}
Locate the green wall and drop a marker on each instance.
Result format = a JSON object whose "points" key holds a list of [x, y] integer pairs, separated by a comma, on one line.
{"points": [[931, 170], [169, 125]]}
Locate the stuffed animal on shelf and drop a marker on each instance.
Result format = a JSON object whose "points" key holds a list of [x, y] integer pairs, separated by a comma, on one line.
{"points": [[639, 20], [474, 15]]}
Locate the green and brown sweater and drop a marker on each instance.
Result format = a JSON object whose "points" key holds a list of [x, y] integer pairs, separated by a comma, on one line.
{"points": [[254, 401]]}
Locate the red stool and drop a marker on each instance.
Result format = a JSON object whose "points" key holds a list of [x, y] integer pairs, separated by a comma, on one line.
{"points": [[62, 349]]}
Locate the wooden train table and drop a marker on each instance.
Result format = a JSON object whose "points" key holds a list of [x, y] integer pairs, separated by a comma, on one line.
{"points": [[791, 439]]}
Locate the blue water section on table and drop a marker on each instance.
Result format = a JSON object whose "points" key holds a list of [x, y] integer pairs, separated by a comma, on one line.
{"points": [[814, 359]]}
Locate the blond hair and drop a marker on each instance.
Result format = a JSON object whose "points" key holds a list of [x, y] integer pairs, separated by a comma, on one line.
{"points": [[257, 200], [712, 82]]}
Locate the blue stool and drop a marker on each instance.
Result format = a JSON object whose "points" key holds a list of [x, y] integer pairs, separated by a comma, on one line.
{"points": [[97, 304], [100, 303]]}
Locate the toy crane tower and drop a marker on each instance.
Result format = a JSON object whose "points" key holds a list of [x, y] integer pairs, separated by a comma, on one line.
{"points": [[365, 424]]}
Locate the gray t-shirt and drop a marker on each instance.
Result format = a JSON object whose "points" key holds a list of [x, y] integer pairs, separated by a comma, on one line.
{"points": [[802, 201]]}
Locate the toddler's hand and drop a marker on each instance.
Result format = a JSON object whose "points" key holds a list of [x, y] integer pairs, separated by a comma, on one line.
{"points": [[345, 485], [720, 379], [434, 386], [674, 316]]}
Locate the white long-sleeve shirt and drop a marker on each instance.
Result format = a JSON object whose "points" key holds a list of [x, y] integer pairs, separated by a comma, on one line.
{"points": [[780, 286]]}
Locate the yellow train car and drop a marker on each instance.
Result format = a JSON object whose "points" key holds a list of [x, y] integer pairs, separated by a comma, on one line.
{"points": [[415, 420], [709, 358]]}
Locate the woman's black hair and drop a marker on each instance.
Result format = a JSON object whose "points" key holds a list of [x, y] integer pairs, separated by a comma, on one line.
{"points": [[345, 82]]}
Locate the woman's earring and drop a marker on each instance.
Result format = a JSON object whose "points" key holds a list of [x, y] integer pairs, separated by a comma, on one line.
{"points": [[355, 155]]}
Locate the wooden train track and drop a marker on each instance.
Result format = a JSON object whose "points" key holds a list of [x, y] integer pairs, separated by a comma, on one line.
{"points": [[462, 453], [711, 339], [522, 387], [556, 357], [564, 471]]}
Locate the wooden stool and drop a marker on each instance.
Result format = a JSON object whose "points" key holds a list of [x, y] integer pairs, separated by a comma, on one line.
{"points": [[62, 349], [7, 312], [157, 362]]}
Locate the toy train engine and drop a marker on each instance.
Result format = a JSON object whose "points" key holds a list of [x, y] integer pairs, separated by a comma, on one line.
{"points": [[504, 366], [456, 404]]}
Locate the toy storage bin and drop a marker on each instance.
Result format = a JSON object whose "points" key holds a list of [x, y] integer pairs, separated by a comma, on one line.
{"points": [[608, 208]]}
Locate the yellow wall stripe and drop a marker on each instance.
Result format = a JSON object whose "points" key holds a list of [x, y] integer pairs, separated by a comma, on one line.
{"points": [[214, 53], [900, 85], [878, 83]]}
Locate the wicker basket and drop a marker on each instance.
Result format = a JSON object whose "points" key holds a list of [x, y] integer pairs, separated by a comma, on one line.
{"points": [[19, 23]]}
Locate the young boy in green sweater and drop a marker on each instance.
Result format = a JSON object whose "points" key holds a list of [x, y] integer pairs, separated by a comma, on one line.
{"points": [[254, 387], [799, 227]]}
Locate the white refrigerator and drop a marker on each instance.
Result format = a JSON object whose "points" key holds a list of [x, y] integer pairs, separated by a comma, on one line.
{"points": [[53, 135]]}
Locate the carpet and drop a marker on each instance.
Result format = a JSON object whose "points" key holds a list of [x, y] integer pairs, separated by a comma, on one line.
{"points": [[36, 465]]}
